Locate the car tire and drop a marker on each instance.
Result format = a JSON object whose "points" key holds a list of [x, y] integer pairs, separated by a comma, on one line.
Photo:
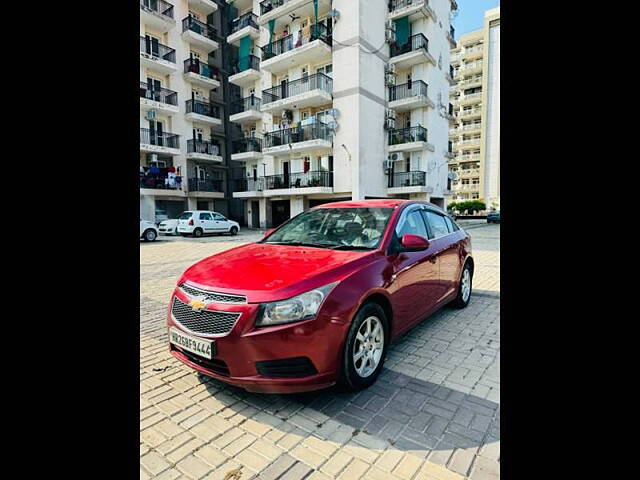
{"points": [[351, 375], [149, 235], [197, 232], [233, 231], [463, 297]]}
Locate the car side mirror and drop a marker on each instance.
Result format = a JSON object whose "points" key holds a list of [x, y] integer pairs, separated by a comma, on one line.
{"points": [[413, 243], [269, 232]]}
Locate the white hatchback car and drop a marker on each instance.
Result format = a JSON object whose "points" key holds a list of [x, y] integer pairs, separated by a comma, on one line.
{"points": [[148, 231], [199, 222], [169, 227]]}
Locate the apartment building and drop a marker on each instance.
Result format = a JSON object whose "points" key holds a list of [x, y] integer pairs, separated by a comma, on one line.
{"points": [[475, 138], [338, 100], [184, 157]]}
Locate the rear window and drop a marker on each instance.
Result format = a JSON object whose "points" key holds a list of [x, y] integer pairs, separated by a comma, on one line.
{"points": [[185, 216], [437, 224]]}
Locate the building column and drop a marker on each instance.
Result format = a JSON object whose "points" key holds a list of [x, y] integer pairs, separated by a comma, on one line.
{"points": [[265, 213], [192, 203], [296, 205], [147, 208]]}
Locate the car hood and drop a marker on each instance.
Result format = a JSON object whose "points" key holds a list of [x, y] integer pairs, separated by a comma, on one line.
{"points": [[265, 272]]}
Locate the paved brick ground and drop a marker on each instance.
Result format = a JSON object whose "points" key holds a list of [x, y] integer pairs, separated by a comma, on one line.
{"points": [[434, 413]]}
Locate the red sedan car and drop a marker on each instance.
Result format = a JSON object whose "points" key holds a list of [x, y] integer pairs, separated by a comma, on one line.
{"points": [[318, 301]]}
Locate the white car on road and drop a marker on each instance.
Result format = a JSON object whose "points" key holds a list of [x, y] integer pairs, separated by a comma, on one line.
{"points": [[199, 222], [169, 227], [148, 231]]}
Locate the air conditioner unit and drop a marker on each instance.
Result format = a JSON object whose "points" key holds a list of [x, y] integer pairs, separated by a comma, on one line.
{"points": [[386, 164], [396, 157], [390, 32], [390, 80], [390, 68], [389, 123], [151, 115], [391, 113]]}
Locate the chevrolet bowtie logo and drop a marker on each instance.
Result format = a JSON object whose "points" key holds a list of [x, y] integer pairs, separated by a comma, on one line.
{"points": [[197, 304]]}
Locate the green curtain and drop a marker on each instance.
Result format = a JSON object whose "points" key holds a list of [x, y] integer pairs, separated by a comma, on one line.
{"points": [[315, 9], [272, 29], [243, 54], [402, 30]]}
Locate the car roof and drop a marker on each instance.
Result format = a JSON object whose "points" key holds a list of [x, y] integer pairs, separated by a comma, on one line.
{"points": [[381, 203]]}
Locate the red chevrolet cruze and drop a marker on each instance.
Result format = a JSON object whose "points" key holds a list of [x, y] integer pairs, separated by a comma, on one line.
{"points": [[318, 300]]}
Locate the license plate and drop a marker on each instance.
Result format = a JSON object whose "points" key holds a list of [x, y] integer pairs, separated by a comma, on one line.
{"points": [[202, 348]]}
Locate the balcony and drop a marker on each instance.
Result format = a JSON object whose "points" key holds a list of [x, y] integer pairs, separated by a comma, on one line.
{"points": [[246, 72], [409, 139], [276, 9], [157, 14], [408, 182], [415, 9], [200, 73], [203, 150], [246, 149], [199, 34], [415, 51], [468, 172], [161, 185], [470, 98], [203, 112], [157, 56], [244, 25], [206, 188], [451, 36], [305, 138], [246, 110], [311, 91], [204, 6], [469, 69], [247, 187], [155, 141], [298, 48], [163, 99], [467, 144], [302, 183], [473, 53], [470, 113], [409, 96]]}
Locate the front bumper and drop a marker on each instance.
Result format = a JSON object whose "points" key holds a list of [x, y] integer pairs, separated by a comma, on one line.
{"points": [[320, 340]]}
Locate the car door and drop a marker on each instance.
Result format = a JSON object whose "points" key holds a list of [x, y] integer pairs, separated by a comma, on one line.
{"points": [[221, 224], [415, 284], [206, 222], [448, 250]]}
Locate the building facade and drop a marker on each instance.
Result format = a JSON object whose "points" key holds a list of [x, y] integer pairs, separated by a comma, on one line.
{"points": [[338, 100], [184, 147], [475, 139]]}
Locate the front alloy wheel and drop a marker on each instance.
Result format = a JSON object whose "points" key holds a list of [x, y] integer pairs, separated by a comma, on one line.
{"points": [[464, 289], [368, 347]]}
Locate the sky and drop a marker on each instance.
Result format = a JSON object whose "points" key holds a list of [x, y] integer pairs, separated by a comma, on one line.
{"points": [[471, 15]]}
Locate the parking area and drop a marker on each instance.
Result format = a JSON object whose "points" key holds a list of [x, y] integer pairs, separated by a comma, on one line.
{"points": [[434, 413]]}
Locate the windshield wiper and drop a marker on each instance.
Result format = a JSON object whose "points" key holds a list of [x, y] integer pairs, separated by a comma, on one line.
{"points": [[303, 244], [352, 247]]}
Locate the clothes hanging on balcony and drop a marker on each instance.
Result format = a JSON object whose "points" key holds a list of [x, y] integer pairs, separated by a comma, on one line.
{"points": [[154, 171], [297, 38], [172, 169]]}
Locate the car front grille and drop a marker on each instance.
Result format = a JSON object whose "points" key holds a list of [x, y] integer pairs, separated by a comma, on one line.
{"points": [[203, 322], [212, 296]]}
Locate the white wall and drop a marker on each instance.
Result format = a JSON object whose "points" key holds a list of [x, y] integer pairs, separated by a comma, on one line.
{"points": [[492, 140]]}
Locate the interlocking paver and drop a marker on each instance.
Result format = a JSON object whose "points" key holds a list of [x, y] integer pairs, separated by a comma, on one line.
{"points": [[437, 398]]}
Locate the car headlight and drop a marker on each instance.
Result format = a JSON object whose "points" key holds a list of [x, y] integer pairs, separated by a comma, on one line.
{"points": [[302, 307]]}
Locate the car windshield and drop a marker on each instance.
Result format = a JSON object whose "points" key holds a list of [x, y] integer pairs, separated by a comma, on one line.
{"points": [[336, 228], [185, 216]]}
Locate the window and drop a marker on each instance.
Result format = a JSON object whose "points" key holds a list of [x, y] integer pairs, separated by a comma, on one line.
{"points": [[449, 223], [413, 224], [185, 216], [205, 216], [437, 224], [218, 217]]}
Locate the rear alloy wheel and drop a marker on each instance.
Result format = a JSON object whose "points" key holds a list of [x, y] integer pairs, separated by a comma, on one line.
{"points": [[197, 232], [464, 288], [365, 347], [233, 231], [150, 235]]}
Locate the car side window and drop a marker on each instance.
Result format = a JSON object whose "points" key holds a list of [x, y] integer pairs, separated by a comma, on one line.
{"points": [[413, 224], [205, 216], [437, 224], [217, 216], [449, 223]]}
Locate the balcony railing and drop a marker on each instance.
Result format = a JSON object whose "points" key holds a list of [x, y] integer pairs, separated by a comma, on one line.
{"points": [[452, 32], [398, 4], [416, 42], [249, 19], [268, 5], [244, 145], [197, 185], [245, 105], [318, 178], [161, 139], [250, 62], [161, 95], [157, 50], [416, 88], [203, 108], [303, 133], [195, 25], [293, 41], [194, 65], [408, 179], [248, 184], [158, 6], [407, 135], [296, 87], [202, 146], [160, 182]]}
